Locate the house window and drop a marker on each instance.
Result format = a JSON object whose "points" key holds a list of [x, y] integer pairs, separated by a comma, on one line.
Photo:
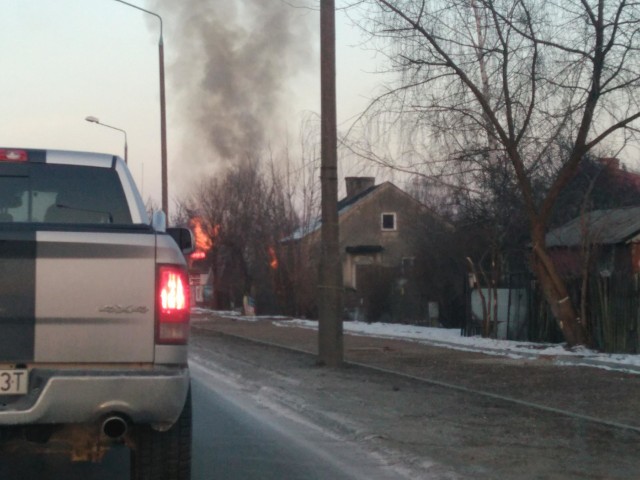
{"points": [[389, 221]]}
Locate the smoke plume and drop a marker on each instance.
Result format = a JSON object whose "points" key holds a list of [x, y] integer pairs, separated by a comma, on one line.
{"points": [[228, 67]]}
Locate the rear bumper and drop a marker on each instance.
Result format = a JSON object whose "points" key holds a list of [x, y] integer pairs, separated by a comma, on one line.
{"points": [[155, 396]]}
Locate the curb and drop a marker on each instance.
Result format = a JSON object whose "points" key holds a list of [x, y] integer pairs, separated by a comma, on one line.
{"points": [[559, 360], [459, 388]]}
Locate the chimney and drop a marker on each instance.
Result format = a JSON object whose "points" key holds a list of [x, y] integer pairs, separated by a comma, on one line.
{"points": [[355, 185]]}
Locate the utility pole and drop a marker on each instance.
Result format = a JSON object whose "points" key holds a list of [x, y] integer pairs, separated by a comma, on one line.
{"points": [[330, 344]]}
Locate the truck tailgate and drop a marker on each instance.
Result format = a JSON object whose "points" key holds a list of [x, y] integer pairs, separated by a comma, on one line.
{"points": [[49, 315]]}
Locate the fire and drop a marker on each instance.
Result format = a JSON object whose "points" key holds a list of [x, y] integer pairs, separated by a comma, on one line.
{"points": [[204, 235], [273, 263]]}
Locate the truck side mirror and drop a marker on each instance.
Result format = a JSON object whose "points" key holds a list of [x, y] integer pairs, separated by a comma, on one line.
{"points": [[183, 237]]}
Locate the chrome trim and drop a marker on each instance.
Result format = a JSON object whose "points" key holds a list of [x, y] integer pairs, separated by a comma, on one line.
{"points": [[119, 309]]}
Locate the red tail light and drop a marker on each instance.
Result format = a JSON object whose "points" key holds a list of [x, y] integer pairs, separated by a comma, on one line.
{"points": [[7, 155], [198, 255], [172, 305]]}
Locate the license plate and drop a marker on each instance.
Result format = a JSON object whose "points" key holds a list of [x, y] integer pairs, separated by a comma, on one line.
{"points": [[14, 382]]}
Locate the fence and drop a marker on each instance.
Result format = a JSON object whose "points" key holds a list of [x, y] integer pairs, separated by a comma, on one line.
{"points": [[612, 311]]}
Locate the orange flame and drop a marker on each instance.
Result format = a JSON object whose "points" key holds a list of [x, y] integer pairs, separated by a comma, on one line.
{"points": [[203, 234], [273, 263]]}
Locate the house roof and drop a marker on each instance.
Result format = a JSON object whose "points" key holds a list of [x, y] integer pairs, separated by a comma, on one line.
{"points": [[344, 206], [605, 227], [346, 202]]}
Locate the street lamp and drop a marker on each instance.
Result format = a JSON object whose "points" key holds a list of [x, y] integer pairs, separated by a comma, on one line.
{"points": [[95, 120], [163, 115]]}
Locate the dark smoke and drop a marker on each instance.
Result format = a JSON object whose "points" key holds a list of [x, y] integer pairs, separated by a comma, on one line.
{"points": [[229, 65]]}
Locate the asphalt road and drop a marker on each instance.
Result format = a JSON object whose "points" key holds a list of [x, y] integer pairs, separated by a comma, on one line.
{"points": [[237, 439], [232, 439]]}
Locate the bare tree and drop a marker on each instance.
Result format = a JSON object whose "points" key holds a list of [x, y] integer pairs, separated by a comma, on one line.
{"points": [[247, 209], [301, 187], [501, 81]]}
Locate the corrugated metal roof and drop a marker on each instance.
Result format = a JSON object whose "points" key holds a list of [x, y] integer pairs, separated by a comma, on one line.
{"points": [[605, 227]]}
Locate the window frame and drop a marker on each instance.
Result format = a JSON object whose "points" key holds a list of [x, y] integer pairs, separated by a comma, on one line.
{"points": [[395, 221]]}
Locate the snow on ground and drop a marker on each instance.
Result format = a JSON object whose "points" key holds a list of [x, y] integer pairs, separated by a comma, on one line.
{"points": [[451, 338]]}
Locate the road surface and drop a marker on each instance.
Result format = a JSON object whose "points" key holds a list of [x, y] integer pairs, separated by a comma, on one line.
{"points": [[233, 438]]}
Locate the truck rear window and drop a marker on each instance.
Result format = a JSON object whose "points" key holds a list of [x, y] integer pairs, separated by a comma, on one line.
{"points": [[51, 193]]}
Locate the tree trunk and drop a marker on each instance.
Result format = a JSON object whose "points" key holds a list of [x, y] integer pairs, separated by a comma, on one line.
{"points": [[555, 292]]}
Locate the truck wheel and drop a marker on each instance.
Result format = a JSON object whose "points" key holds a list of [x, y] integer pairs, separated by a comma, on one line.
{"points": [[164, 455]]}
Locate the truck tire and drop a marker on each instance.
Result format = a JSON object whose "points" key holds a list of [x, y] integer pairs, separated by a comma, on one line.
{"points": [[164, 455]]}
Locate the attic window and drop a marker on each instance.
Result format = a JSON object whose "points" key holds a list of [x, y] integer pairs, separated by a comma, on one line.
{"points": [[388, 221]]}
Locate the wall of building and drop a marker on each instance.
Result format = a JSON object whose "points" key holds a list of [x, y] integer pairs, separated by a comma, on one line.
{"points": [[362, 225]]}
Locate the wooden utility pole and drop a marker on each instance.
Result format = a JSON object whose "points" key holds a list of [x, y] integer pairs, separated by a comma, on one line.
{"points": [[330, 347]]}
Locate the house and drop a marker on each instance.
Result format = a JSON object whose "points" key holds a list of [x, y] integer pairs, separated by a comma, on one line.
{"points": [[611, 238], [598, 255], [379, 240]]}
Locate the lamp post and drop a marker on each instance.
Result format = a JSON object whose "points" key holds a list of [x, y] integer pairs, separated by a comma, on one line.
{"points": [[163, 115], [126, 148]]}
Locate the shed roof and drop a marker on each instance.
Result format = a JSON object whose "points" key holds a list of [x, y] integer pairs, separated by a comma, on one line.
{"points": [[605, 227]]}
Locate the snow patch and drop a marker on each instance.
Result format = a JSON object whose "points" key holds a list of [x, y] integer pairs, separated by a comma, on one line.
{"points": [[451, 338]]}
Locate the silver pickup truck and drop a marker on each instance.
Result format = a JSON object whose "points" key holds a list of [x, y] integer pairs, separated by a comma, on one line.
{"points": [[94, 314]]}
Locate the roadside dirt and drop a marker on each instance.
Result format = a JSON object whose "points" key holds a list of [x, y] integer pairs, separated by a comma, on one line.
{"points": [[431, 430]]}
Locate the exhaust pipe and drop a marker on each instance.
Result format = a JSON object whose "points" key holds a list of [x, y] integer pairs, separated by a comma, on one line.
{"points": [[114, 427]]}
